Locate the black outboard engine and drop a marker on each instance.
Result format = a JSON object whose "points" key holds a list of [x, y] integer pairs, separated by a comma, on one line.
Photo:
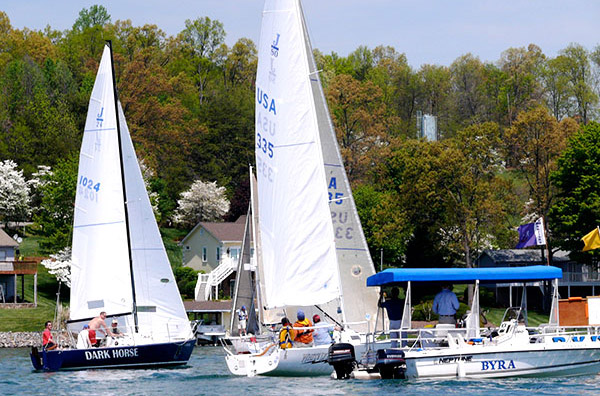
{"points": [[341, 357], [390, 363]]}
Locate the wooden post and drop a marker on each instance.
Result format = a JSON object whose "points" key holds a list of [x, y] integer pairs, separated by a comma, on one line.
{"points": [[15, 289]]}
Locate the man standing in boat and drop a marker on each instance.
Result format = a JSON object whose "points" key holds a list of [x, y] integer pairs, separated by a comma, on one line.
{"points": [[445, 304], [394, 307], [98, 324]]}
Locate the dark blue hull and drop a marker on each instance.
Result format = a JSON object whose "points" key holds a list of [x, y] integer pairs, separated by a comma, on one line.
{"points": [[152, 355]]}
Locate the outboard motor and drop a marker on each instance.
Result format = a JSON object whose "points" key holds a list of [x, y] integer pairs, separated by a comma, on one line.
{"points": [[341, 357], [390, 363]]}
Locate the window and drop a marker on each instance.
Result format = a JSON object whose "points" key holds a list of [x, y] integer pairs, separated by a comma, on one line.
{"points": [[204, 259], [234, 252], [218, 253]]}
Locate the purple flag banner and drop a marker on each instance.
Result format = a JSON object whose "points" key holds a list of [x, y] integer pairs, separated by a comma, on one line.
{"points": [[531, 234]]}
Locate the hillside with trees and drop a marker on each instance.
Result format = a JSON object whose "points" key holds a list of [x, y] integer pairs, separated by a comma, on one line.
{"points": [[511, 134]]}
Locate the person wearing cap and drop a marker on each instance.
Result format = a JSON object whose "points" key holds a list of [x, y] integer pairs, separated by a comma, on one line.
{"points": [[115, 332], [322, 334], [303, 337], [83, 338], [242, 320], [286, 334]]}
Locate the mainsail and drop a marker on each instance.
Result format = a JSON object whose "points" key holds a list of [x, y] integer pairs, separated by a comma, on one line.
{"points": [[288, 80], [298, 249], [105, 254]]}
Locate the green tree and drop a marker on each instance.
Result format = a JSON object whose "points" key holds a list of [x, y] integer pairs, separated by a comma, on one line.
{"points": [[576, 210], [55, 217]]}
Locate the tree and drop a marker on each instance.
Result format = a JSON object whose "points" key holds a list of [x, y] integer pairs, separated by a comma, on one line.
{"points": [[576, 210], [59, 265], [535, 141], [14, 193], [55, 217], [186, 278], [358, 111], [96, 15], [204, 201], [580, 79]]}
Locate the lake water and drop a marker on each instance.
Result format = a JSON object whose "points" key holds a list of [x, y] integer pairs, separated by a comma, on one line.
{"points": [[207, 374]]}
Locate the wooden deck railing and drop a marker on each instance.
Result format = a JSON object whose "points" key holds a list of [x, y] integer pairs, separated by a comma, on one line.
{"points": [[18, 267]]}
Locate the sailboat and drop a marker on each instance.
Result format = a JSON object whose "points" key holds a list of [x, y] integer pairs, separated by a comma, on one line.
{"points": [[312, 251], [120, 265]]}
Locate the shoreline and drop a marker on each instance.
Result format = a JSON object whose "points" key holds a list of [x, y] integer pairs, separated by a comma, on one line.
{"points": [[20, 339]]}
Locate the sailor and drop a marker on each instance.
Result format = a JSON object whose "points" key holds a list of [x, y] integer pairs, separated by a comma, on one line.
{"points": [[47, 341], [322, 332], [83, 338], [394, 308], [98, 324], [286, 334], [303, 337], [445, 304], [242, 320]]}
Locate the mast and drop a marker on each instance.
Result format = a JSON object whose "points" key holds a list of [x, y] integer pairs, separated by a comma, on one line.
{"points": [[116, 96]]}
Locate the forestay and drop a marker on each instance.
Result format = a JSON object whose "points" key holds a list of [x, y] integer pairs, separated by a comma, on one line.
{"points": [[299, 258]]}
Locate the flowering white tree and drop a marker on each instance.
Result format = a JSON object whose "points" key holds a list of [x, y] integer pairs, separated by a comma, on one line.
{"points": [[204, 201], [147, 174], [14, 193], [36, 185], [59, 265]]}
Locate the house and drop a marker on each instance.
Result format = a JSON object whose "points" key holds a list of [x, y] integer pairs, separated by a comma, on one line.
{"points": [[214, 249], [578, 279], [11, 268]]}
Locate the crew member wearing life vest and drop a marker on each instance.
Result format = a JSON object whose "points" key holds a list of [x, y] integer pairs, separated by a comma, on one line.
{"points": [[242, 320], [286, 334], [303, 336]]}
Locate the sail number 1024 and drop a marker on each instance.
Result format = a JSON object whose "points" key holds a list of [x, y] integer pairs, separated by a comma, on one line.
{"points": [[89, 183]]}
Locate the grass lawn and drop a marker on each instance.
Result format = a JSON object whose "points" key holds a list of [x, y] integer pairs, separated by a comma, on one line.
{"points": [[33, 319]]}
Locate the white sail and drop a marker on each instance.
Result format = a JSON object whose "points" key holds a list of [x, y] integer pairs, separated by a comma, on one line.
{"points": [[104, 255], [299, 259], [159, 305], [100, 274], [354, 260]]}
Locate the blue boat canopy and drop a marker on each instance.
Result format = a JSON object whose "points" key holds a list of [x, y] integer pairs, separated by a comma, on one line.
{"points": [[465, 275]]}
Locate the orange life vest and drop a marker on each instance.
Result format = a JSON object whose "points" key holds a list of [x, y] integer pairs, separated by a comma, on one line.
{"points": [[303, 336]]}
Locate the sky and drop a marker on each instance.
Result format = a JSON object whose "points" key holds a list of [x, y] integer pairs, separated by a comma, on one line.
{"points": [[427, 31]]}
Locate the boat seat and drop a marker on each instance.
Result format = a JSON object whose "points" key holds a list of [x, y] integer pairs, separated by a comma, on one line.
{"points": [[578, 339], [441, 330], [558, 339]]}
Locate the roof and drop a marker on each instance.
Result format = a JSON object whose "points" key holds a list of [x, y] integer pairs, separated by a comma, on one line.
{"points": [[464, 275], [6, 240], [524, 255], [222, 231], [208, 306]]}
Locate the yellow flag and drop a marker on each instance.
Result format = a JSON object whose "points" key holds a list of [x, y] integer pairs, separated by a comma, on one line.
{"points": [[591, 240]]}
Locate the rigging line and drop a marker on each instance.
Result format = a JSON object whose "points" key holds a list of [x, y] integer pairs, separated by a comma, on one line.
{"points": [[329, 316], [121, 161]]}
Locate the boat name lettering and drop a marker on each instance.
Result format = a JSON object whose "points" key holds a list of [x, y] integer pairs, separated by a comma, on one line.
{"points": [[454, 359], [264, 145], [264, 169], [116, 353], [314, 357], [497, 365], [263, 99]]}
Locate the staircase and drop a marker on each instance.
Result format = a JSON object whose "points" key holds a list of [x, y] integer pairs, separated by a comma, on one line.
{"points": [[208, 284]]}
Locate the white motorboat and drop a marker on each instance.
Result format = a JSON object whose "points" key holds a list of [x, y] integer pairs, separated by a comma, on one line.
{"points": [[513, 349]]}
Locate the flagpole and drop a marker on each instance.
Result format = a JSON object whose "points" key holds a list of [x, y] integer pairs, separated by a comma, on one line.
{"points": [[546, 237]]}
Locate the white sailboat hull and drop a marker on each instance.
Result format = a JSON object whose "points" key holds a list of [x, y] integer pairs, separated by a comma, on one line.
{"points": [[292, 362], [498, 361]]}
